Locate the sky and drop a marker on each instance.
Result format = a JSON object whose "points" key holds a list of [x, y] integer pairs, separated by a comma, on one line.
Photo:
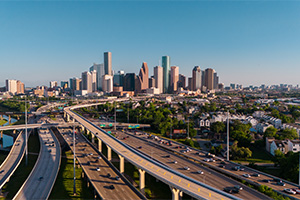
{"points": [[246, 42]]}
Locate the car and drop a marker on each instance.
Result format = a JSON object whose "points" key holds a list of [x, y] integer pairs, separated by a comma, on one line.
{"points": [[49, 150], [246, 175], [41, 178], [256, 175], [117, 178], [1, 171], [139, 147], [290, 191], [111, 187], [238, 187], [99, 157], [186, 168], [231, 190], [108, 175], [206, 159], [98, 169], [211, 160], [174, 161], [266, 180], [222, 166], [200, 172], [280, 183], [90, 154], [277, 180], [297, 190], [223, 163], [88, 163], [167, 156]]}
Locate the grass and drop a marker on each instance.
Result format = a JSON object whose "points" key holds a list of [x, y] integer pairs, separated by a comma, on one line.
{"points": [[259, 155], [63, 187], [2, 122], [22, 172]]}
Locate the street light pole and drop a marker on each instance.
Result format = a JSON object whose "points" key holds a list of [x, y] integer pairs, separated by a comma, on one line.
{"points": [[26, 145], [228, 136], [74, 177], [115, 116]]}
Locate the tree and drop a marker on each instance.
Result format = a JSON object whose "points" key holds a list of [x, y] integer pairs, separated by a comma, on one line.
{"points": [[217, 127], [289, 134], [270, 132]]}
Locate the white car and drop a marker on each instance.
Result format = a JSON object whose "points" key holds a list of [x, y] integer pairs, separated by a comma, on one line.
{"points": [[98, 169], [200, 172], [290, 191], [206, 159], [186, 168], [246, 175], [174, 161]]}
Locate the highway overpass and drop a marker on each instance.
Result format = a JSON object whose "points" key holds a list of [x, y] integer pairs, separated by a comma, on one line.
{"points": [[177, 181]]}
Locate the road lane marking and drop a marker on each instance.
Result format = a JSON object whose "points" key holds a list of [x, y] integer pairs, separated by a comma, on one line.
{"points": [[152, 166], [165, 173], [171, 177], [189, 185], [179, 181], [198, 189], [209, 195], [157, 170]]}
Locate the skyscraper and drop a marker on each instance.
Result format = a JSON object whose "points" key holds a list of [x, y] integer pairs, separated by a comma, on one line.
{"points": [[174, 78], [20, 87], [107, 63], [87, 81], [100, 73], [190, 83], [107, 83], [197, 74], [53, 84], [11, 86], [166, 68], [129, 82], [151, 82], [182, 81], [216, 81], [209, 78], [143, 79], [119, 78], [94, 80], [158, 76]]}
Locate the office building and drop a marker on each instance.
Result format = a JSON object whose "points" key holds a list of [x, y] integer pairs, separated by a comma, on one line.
{"points": [[143, 79], [151, 82], [119, 78], [107, 63], [166, 73], [216, 81], [107, 83], [174, 78], [129, 82], [94, 80], [75, 84], [182, 81], [100, 73], [197, 74], [158, 76], [209, 78], [11, 86], [53, 84], [64, 84], [190, 83], [20, 87], [87, 82], [203, 79]]}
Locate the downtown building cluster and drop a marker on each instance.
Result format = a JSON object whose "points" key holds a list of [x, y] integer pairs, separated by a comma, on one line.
{"points": [[100, 78]]}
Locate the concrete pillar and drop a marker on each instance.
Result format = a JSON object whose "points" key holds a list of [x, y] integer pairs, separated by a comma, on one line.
{"points": [[68, 118], [142, 181], [14, 131], [99, 145], [82, 128], [122, 166], [176, 193], [18, 117], [1, 135], [87, 183], [93, 138], [65, 114], [9, 119], [73, 120], [108, 153], [82, 174]]}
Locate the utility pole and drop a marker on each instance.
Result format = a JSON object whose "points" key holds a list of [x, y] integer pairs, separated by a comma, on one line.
{"points": [[74, 177], [115, 115], [228, 136], [26, 142]]}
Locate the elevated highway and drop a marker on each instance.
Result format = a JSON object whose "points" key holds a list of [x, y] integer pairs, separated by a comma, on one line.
{"points": [[40, 125], [178, 182]]}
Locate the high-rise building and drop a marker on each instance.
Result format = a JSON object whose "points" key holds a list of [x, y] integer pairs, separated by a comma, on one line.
{"points": [[87, 82], [143, 79], [75, 84], [94, 80], [182, 81], [203, 78], [119, 78], [174, 78], [151, 82], [53, 84], [209, 78], [158, 76], [11, 86], [197, 74], [64, 84], [107, 83], [166, 76], [100, 73], [129, 82], [216, 81], [20, 87], [107, 63], [190, 83]]}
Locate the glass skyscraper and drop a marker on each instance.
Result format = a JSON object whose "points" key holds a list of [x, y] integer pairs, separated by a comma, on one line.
{"points": [[166, 70]]}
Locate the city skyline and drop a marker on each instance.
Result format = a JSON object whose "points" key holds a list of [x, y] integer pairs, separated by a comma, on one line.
{"points": [[242, 41]]}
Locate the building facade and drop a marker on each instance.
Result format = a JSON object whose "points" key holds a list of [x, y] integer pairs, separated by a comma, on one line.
{"points": [[158, 76], [197, 75], [166, 73], [174, 78], [107, 63]]}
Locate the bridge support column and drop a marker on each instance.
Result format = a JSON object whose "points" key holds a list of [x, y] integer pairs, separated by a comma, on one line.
{"points": [[1, 135], [18, 117], [176, 193], [93, 138], [122, 164], [14, 131], [82, 128], [9, 119], [108, 153], [99, 145], [142, 181], [65, 114], [87, 132], [68, 118]]}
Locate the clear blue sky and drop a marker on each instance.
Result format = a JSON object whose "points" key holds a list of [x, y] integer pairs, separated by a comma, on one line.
{"points": [[246, 42]]}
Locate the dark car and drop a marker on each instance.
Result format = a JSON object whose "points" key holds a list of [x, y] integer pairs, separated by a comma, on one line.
{"points": [[111, 187], [167, 156], [222, 166], [266, 180], [231, 190], [280, 183], [88, 163], [108, 175]]}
